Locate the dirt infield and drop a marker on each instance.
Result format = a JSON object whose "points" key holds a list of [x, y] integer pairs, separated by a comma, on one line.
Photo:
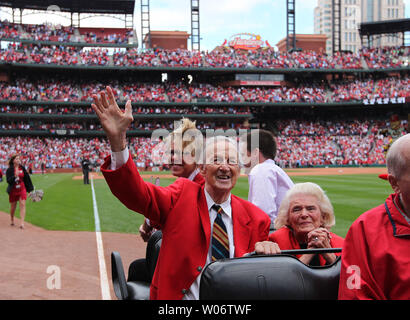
{"points": [[26, 255], [290, 172], [335, 171], [93, 175]]}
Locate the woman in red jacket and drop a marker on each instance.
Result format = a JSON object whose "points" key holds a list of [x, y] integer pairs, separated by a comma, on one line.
{"points": [[304, 220], [19, 183]]}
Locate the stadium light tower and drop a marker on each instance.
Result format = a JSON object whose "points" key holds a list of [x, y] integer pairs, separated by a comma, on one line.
{"points": [[336, 26], [145, 24], [195, 38], [291, 25]]}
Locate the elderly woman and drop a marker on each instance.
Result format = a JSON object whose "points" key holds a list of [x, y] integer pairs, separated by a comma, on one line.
{"points": [[303, 222]]}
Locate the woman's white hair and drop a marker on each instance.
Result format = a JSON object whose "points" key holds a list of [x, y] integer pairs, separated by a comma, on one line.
{"points": [[311, 189]]}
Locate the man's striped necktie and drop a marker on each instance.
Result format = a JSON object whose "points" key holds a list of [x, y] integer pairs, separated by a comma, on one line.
{"points": [[220, 240]]}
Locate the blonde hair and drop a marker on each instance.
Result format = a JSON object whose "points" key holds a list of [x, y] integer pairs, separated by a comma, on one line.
{"points": [[176, 138], [306, 188], [186, 124]]}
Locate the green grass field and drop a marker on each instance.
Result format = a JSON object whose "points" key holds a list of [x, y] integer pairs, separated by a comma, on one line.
{"points": [[68, 205]]}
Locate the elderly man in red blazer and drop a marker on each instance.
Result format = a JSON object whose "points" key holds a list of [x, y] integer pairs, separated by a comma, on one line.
{"points": [[376, 255], [184, 210]]}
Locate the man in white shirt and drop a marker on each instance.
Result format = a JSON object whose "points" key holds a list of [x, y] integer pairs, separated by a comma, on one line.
{"points": [[268, 183]]}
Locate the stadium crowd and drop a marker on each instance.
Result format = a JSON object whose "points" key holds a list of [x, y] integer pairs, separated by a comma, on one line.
{"points": [[374, 58], [53, 152], [52, 125], [228, 58], [73, 110], [50, 32], [300, 143], [386, 57], [72, 91], [370, 89], [333, 143], [58, 55]]}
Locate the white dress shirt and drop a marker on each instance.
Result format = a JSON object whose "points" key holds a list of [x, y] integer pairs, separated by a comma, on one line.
{"points": [[119, 158], [268, 184], [193, 292]]}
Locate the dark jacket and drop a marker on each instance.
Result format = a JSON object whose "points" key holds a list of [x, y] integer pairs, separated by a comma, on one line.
{"points": [[85, 164], [11, 179]]}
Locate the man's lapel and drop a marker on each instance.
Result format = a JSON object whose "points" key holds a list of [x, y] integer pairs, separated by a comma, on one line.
{"points": [[204, 215], [241, 228]]}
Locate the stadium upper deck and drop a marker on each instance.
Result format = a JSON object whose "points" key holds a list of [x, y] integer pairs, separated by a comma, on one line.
{"points": [[396, 58], [28, 44], [51, 34]]}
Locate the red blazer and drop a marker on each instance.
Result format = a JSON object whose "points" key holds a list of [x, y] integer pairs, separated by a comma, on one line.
{"points": [[182, 213], [375, 258], [286, 241], [199, 179]]}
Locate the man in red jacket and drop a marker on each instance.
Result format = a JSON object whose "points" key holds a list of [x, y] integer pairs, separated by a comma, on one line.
{"points": [[185, 210], [376, 251]]}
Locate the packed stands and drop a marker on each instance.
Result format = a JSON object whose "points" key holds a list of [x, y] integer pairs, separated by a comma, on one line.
{"points": [[106, 35], [58, 33], [221, 57], [390, 57], [300, 143], [73, 91], [47, 100]]}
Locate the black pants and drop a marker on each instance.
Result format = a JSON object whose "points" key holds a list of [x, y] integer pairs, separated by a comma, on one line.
{"points": [[86, 180]]}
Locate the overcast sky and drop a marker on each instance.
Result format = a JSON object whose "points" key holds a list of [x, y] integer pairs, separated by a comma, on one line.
{"points": [[219, 19]]}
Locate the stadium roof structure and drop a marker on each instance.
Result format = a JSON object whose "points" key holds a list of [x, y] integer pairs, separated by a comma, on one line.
{"points": [[79, 6], [384, 27]]}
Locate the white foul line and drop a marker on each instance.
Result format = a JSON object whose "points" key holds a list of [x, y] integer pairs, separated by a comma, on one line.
{"points": [[105, 288]]}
